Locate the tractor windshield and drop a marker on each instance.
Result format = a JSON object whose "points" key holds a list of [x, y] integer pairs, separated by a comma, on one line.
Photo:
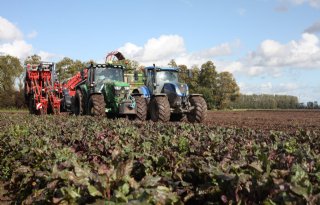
{"points": [[167, 76], [103, 75]]}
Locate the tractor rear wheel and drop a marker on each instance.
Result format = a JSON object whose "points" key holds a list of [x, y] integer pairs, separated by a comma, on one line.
{"points": [[160, 109], [199, 112], [31, 105], [78, 103], [97, 106], [141, 108]]}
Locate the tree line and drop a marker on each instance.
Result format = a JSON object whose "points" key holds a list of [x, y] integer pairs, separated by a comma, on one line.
{"points": [[265, 101]]}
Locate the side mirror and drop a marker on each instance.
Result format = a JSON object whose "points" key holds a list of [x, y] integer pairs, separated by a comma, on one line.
{"points": [[135, 76], [190, 73]]}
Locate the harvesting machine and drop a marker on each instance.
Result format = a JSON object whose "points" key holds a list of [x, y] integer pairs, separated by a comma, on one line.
{"points": [[168, 98], [42, 91]]}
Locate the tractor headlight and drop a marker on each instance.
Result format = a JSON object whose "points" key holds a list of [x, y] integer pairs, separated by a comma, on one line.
{"points": [[186, 87], [117, 87], [127, 88]]}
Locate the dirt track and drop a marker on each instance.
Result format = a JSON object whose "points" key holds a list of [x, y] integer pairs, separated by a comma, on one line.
{"points": [[290, 120]]}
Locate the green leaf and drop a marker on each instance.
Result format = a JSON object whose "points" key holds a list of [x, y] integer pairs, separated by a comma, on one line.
{"points": [[150, 181], [93, 191], [257, 166]]}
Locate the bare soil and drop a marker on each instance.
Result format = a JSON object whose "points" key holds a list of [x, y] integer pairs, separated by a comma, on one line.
{"points": [[280, 120]]}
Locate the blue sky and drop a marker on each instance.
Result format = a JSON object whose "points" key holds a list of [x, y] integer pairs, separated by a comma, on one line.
{"points": [[270, 46]]}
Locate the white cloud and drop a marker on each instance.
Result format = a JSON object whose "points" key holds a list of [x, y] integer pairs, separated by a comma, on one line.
{"points": [[8, 31], [13, 43], [164, 47], [304, 93], [314, 28], [241, 11], [33, 34], [17, 48], [271, 57], [45, 56], [286, 4], [269, 88], [161, 50], [313, 3]]}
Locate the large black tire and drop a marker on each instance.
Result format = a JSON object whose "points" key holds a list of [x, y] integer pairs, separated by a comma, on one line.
{"points": [[79, 105], [31, 106], [160, 109], [141, 106], [97, 106], [199, 113]]}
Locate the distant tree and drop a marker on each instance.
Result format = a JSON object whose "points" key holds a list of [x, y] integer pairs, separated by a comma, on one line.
{"points": [[10, 69], [91, 61], [193, 82], [315, 105], [131, 65], [34, 59], [227, 90], [172, 63], [67, 67], [208, 75], [207, 84], [183, 74], [310, 105]]}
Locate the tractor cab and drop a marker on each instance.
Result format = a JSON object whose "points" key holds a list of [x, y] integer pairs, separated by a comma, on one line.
{"points": [[165, 80], [156, 77], [101, 74]]}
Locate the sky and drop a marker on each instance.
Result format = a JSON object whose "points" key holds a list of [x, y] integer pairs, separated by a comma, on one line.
{"points": [[270, 46]]}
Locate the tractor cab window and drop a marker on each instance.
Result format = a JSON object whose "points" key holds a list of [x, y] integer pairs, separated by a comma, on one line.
{"points": [[103, 75], [167, 77]]}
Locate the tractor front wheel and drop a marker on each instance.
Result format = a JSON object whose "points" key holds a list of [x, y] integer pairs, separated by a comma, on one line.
{"points": [[78, 103], [160, 109], [97, 106], [199, 111], [31, 105], [141, 108]]}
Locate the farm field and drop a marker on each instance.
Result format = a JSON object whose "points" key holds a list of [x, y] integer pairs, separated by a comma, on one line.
{"points": [[245, 157], [281, 120]]}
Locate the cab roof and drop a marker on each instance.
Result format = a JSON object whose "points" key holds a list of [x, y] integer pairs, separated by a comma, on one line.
{"points": [[106, 66], [162, 68]]}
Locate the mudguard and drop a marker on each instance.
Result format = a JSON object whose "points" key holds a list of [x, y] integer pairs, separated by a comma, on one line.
{"points": [[143, 90]]}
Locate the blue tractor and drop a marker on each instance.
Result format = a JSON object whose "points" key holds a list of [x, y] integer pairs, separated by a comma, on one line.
{"points": [[168, 99]]}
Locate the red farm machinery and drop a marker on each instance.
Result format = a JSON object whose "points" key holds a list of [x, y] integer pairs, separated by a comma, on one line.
{"points": [[42, 91], [98, 89]]}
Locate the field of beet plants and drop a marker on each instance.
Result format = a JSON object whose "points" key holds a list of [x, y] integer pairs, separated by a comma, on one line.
{"points": [[85, 160]]}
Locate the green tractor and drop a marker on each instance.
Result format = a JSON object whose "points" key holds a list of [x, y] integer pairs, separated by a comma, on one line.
{"points": [[102, 91]]}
